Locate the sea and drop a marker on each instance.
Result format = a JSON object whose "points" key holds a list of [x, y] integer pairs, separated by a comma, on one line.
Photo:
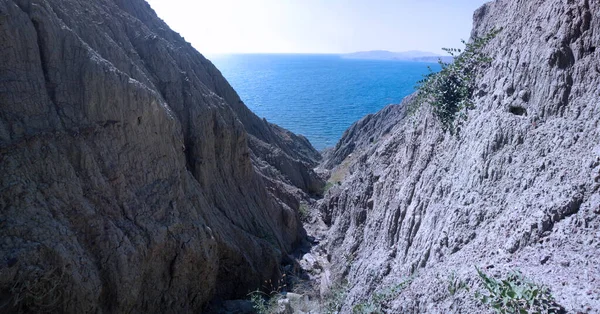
{"points": [[318, 96]]}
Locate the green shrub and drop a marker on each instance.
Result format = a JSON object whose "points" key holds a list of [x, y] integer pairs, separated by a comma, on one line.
{"points": [[378, 300], [303, 212], [450, 91], [264, 303], [334, 299], [267, 302], [455, 284], [516, 294]]}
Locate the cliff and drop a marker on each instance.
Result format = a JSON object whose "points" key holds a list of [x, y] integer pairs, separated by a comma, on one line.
{"points": [[517, 190], [134, 179]]}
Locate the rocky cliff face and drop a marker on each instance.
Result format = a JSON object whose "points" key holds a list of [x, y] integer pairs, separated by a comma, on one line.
{"points": [[133, 177], [518, 190]]}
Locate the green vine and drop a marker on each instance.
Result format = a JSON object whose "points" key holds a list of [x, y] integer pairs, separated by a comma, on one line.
{"points": [[450, 91]]}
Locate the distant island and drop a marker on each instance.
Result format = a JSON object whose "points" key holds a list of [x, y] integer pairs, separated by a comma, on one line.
{"points": [[413, 55]]}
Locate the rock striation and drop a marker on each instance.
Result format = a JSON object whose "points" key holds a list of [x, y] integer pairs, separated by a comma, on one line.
{"points": [[134, 179], [517, 190]]}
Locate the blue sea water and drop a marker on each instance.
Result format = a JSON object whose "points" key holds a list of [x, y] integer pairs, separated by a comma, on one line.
{"points": [[318, 96]]}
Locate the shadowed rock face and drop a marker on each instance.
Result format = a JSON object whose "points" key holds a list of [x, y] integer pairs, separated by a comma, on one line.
{"points": [[133, 177], [517, 191]]}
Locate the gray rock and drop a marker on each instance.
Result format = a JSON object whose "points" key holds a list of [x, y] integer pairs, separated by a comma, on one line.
{"points": [[365, 133], [293, 296], [510, 190], [309, 263], [283, 307], [133, 177]]}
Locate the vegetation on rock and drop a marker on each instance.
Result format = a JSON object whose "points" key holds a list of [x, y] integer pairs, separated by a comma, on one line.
{"points": [[267, 302], [304, 212], [378, 300], [334, 299], [450, 91], [516, 294], [455, 284]]}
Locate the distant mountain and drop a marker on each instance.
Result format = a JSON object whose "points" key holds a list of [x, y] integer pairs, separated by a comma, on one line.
{"points": [[446, 59], [413, 55]]}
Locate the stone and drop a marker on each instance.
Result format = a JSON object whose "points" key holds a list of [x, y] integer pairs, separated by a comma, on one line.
{"points": [[283, 307], [134, 179], [508, 171], [293, 296], [309, 262]]}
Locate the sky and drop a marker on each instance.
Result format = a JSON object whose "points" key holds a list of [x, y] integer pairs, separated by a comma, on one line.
{"points": [[318, 26]]}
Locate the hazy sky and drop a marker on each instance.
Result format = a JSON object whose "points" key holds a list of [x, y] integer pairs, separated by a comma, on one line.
{"points": [[318, 26]]}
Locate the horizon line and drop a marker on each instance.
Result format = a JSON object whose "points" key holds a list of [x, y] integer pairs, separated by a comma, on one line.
{"points": [[312, 53]]}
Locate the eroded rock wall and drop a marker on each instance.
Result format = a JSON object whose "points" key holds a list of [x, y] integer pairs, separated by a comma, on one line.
{"points": [[133, 177], [518, 190]]}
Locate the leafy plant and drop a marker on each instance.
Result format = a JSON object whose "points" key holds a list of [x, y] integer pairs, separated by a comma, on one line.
{"points": [[377, 301], [516, 294], [450, 91], [266, 302], [455, 284], [261, 303], [334, 300]]}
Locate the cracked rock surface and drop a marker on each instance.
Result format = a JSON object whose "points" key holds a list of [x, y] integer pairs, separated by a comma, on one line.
{"points": [[518, 190], [133, 177]]}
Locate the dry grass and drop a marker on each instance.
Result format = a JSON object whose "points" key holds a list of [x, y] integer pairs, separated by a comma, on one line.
{"points": [[339, 173], [38, 291]]}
